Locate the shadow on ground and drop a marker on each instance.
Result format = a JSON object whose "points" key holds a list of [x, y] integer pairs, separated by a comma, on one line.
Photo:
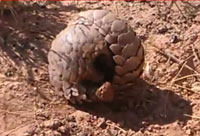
{"points": [[25, 37], [155, 106]]}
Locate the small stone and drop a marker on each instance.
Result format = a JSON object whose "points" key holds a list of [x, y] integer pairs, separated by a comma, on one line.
{"points": [[151, 4], [112, 132], [173, 39], [157, 126], [150, 128], [56, 124], [9, 74], [176, 124], [130, 18], [31, 131], [102, 123], [185, 127], [71, 118], [145, 123], [35, 88], [196, 87], [47, 123], [53, 124], [94, 117], [27, 134], [62, 129], [162, 29], [189, 132], [32, 46]]}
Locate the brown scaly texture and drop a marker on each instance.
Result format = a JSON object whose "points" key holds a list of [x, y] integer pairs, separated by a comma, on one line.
{"points": [[95, 57]]}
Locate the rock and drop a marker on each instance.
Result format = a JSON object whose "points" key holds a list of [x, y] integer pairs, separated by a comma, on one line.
{"points": [[189, 132], [62, 129], [53, 124], [173, 39], [162, 29]]}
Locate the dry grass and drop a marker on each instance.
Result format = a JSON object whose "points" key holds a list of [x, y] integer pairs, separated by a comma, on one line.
{"points": [[9, 5]]}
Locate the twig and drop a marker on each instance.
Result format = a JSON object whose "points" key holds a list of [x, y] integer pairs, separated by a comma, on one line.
{"points": [[171, 4], [14, 14], [116, 8], [181, 78], [115, 126], [193, 6], [165, 104], [12, 11], [194, 52], [175, 78], [157, 5], [15, 129], [195, 117], [179, 9], [170, 55], [183, 87], [173, 58], [15, 113], [180, 70]]}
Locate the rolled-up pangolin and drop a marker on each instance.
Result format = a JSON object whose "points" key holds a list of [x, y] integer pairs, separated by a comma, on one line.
{"points": [[95, 58]]}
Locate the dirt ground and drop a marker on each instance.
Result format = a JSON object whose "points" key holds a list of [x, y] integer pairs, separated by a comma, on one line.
{"points": [[170, 105]]}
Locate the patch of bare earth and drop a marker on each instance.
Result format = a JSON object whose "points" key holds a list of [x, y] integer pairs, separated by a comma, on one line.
{"points": [[170, 100]]}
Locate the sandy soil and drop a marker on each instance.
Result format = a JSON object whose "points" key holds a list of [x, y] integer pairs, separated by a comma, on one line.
{"points": [[170, 104]]}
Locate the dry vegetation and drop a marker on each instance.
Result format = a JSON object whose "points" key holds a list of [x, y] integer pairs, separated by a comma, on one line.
{"points": [[170, 32]]}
